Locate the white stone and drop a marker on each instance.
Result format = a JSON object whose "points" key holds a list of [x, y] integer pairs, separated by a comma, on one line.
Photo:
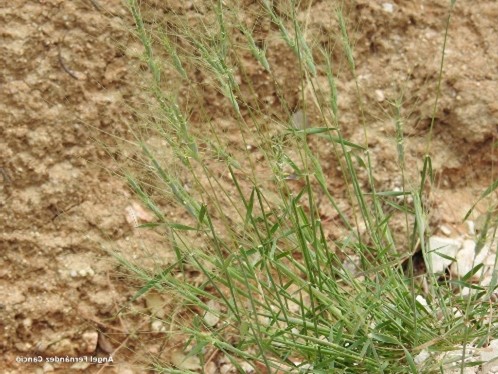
{"points": [[182, 362], [227, 369], [48, 368], [424, 303], [90, 339], [80, 365], [82, 272], [210, 368], [466, 260], [457, 313], [388, 7], [455, 358], [490, 259], [486, 281], [445, 230], [379, 96], [466, 370], [211, 317], [487, 354], [446, 246], [27, 323], [124, 369], [471, 227], [248, 368], [305, 368], [421, 357], [157, 326]]}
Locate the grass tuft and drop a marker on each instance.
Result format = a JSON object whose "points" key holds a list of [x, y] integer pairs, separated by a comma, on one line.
{"points": [[291, 288]]}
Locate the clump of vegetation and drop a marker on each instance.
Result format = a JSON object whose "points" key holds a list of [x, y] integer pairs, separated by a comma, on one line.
{"points": [[277, 290]]}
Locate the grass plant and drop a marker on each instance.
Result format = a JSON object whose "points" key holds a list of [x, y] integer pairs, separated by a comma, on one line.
{"points": [[287, 295]]}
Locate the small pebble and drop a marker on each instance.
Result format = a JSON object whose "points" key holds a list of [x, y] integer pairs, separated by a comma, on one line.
{"points": [[447, 247], [211, 317], [228, 369], [184, 362], [466, 260], [421, 357], [210, 368], [487, 354], [90, 339], [445, 230], [27, 322], [157, 326], [82, 272], [388, 7], [379, 96], [80, 365], [123, 369], [48, 368], [471, 227], [423, 302], [490, 258]]}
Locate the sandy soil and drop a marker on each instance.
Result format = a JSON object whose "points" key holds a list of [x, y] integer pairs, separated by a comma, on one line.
{"points": [[67, 79]]}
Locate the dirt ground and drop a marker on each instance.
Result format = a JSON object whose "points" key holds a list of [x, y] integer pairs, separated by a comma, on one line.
{"points": [[68, 83]]}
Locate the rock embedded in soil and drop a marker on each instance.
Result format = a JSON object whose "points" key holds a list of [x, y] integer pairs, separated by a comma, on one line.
{"points": [[421, 357], [48, 368], [124, 369], [63, 347], [447, 247], [211, 316], [157, 326], [490, 353], [467, 259], [388, 7], [90, 340], [445, 230], [210, 368], [182, 362], [80, 366], [452, 360], [379, 96]]}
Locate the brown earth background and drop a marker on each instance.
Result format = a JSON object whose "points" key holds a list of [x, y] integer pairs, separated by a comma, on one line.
{"points": [[69, 82]]}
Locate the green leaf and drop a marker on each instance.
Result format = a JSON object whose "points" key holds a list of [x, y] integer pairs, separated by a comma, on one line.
{"points": [[340, 140], [250, 206], [472, 272], [202, 213], [153, 282], [149, 225], [462, 283], [390, 193], [446, 257], [313, 130], [360, 161], [384, 338], [179, 226], [426, 170], [410, 360]]}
